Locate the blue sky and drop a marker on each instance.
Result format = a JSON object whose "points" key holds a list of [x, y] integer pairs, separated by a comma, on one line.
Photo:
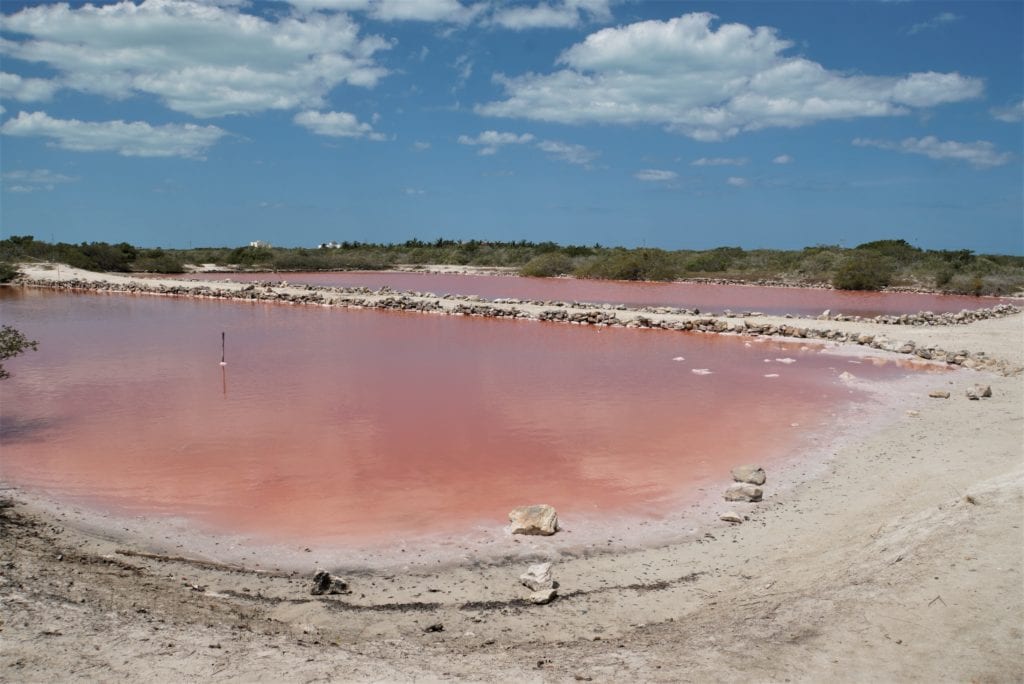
{"points": [[669, 124]]}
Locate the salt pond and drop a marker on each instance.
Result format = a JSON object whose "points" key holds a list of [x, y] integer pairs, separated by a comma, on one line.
{"points": [[349, 426], [705, 297]]}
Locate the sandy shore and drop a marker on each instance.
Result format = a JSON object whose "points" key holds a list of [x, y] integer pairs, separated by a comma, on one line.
{"points": [[898, 558]]}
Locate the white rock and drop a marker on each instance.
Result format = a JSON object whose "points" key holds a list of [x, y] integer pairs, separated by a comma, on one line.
{"points": [[731, 516], [538, 519], [847, 376], [700, 371], [542, 597], [538, 577], [751, 474], [743, 492]]}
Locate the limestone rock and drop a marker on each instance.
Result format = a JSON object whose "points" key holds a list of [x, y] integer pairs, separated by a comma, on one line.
{"points": [[979, 392], [751, 474], [731, 516], [847, 376], [538, 577], [538, 519], [939, 394], [542, 597], [326, 583], [742, 491]]}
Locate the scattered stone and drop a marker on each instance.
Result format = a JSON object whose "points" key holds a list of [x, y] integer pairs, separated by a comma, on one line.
{"points": [[939, 394], [326, 583], [751, 474], [700, 371], [436, 627], [983, 391], [731, 517], [742, 491], [847, 376], [538, 577], [538, 519], [913, 413], [972, 394], [542, 597]]}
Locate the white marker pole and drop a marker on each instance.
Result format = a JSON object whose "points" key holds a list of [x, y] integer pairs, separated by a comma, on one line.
{"points": [[222, 361]]}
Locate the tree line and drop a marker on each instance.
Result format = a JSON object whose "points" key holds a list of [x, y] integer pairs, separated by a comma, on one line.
{"points": [[869, 266]]}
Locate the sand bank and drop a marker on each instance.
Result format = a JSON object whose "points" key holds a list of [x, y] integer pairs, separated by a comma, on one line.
{"points": [[900, 558]]}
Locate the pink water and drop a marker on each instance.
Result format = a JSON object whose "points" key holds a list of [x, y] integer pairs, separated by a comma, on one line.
{"points": [[710, 298], [347, 424]]}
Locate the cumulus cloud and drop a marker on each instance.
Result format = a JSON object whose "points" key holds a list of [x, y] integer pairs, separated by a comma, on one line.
{"points": [[710, 84], [14, 87], [421, 145], [336, 125], [720, 161], [567, 152], [980, 154], [202, 59], [490, 141], [34, 180], [737, 181], [655, 175], [130, 139], [451, 11], [783, 159], [1013, 113], [934, 23], [562, 14]]}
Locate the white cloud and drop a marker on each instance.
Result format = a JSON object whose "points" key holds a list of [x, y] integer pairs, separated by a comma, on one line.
{"points": [[567, 152], [934, 23], [336, 125], [655, 175], [562, 14], [709, 84], [980, 154], [414, 191], [464, 69], [737, 181], [1013, 113], [783, 159], [134, 139], [451, 11], [421, 145], [201, 59], [33, 180], [14, 87], [490, 141], [720, 161]]}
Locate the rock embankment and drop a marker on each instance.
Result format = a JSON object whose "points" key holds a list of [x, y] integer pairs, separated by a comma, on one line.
{"points": [[577, 313]]}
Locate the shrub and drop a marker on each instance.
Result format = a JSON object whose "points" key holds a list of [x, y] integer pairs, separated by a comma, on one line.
{"points": [[547, 265], [863, 270], [635, 264], [12, 343], [7, 272]]}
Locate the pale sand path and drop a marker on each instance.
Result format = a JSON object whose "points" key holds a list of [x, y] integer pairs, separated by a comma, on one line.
{"points": [[876, 569]]}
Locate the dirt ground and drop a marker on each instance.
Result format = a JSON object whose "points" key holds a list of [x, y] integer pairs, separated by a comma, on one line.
{"points": [[899, 560]]}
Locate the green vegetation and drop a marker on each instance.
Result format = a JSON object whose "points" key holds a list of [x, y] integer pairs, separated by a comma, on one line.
{"points": [[870, 266], [12, 343]]}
